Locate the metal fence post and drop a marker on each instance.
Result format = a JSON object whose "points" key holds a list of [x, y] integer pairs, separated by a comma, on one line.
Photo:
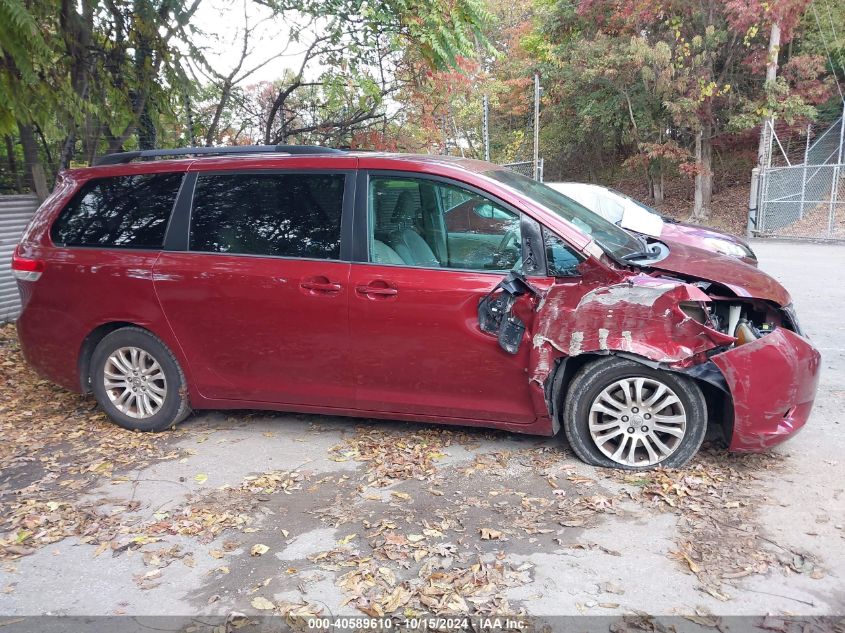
{"points": [[834, 188], [485, 127], [804, 175], [753, 213]]}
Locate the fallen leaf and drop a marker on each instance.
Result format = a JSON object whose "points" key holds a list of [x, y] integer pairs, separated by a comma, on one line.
{"points": [[388, 575], [704, 619], [263, 604], [258, 549], [489, 534], [201, 478]]}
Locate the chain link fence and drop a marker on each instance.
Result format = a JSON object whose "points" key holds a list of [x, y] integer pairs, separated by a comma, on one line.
{"points": [[805, 200], [526, 168]]}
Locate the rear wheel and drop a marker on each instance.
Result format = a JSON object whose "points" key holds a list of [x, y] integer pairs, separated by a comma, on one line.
{"points": [[137, 381], [622, 414]]}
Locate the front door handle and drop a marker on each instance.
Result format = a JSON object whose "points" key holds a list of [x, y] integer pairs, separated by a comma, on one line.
{"points": [[315, 285], [377, 290]]}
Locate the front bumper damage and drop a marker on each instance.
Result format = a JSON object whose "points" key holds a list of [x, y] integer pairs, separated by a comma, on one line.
{"points": [[770, 382]]}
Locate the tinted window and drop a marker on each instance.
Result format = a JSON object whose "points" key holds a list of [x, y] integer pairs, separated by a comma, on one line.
{"points": [[283, 215], [125, 211]]}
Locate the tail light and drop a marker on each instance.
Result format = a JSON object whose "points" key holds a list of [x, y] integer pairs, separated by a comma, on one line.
{"points": [[25, 268]]}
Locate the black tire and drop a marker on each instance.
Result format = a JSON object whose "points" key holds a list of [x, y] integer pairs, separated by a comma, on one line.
{"points": [[592, 379], [175, 406]]}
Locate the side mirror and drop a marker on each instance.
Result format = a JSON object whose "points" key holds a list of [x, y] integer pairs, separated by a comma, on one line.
{"points": [[494, 312]]}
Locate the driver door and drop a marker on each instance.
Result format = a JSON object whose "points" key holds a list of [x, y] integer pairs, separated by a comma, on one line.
{"points": [[416, 344]]}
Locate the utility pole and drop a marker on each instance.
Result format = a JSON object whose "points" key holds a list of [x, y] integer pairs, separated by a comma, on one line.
{"points": [[771, 75], [536, 126], [485, 127], [764, 148]]}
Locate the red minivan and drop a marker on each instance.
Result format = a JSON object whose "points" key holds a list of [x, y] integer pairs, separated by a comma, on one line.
{"points": [[298, 278]]}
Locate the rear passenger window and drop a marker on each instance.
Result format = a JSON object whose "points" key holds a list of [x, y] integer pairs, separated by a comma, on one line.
{"points": [[124, 211], [281, 215]]}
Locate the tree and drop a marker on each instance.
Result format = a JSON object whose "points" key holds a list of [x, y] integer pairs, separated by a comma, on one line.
{"points": [[441, 109], [717, 50], [653, 83], [86, 77]]}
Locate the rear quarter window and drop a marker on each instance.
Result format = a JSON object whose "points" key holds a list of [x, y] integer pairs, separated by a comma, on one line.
{"points": [[121, 211]]}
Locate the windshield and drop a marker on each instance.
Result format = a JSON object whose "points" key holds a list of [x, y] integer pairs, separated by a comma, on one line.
{"points": [[608, 236]]}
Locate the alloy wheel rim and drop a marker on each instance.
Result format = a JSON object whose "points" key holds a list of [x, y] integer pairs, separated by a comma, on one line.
{"points": [[135, 382], [637, 421]]}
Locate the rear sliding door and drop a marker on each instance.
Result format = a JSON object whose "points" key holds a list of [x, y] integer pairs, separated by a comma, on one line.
{"points": [[259, 300]]}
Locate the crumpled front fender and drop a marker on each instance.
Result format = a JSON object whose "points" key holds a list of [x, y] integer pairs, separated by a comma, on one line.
{"points": [[773, 383], [640, 316]]}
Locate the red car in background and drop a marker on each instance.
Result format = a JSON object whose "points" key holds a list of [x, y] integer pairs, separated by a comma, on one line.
{"points": [[298, 278]]}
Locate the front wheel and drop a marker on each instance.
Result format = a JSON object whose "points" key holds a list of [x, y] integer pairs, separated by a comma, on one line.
{"points": [[137, 381], [621, 414]]}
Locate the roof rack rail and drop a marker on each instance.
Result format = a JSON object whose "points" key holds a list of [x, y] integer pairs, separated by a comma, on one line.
{"points": [[126, 157]]}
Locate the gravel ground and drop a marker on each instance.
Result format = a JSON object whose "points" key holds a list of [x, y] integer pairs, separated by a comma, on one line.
{"points": [[278, 514]]}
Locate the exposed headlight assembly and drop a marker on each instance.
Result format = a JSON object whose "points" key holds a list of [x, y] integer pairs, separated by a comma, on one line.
{"points": [[792, 318]]}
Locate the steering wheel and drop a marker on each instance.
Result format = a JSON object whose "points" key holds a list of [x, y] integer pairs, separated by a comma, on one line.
{"points": [[511, 236], [510, 239]]}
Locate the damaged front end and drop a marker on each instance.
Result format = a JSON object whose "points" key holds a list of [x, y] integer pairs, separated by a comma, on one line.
{"points": [[749, 352]]}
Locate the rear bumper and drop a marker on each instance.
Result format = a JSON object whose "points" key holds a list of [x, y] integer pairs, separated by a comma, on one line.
{"points": [[773, 383]]}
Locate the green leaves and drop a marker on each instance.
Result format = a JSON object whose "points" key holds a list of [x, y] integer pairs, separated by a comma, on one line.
{"points": [[23, 52]]}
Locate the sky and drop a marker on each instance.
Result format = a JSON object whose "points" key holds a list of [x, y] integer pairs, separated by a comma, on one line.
{"points": [[222, 22]]}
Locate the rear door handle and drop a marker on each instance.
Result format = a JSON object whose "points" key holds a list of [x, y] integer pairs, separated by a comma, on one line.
{"points": [[320, 285], [377, 289], [384, 292]]}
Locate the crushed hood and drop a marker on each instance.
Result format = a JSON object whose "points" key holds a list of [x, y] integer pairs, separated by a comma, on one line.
{"points": [[742, 279]]}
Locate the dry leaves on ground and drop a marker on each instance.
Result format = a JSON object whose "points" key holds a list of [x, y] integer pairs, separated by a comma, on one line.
{"points": [[57, 444], [391, 457], [716, 503], [478, 588]]}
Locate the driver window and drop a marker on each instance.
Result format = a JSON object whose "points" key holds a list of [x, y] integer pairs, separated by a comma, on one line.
{"points": [[431, 224]]}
